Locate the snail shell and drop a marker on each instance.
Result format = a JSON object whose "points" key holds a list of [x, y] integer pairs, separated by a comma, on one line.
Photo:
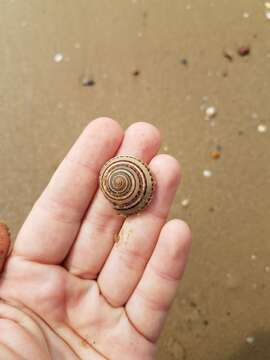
{"points": [[127, 183]]}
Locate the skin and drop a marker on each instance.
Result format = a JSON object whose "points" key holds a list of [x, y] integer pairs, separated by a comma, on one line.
{"points": [[68, 290]]}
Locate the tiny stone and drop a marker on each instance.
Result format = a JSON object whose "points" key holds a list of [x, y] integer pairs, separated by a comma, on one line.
{"points": [[253, 257], [185, 203], [267, 5], [58, 57], [88, 82], [246, 15], [250, 340], [228, 55], [262, 128], [140, 34], [136, 72], [210, 112], [267, 269], [243, 51], [77, 45], [207, 173], [188, 7], [184, 62], [267, 15], [215, 154], [165, 148]]}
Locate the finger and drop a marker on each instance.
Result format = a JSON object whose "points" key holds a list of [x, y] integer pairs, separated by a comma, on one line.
{"points": [[5, 244], [54, 221], [102, 223], [139, 234], [149, 304]]}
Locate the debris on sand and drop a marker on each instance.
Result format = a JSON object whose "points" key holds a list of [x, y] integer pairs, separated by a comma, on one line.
{"points": [[136, 72], [88, 82], [58, 57], [207, 173], [210, 112], [261, 128], [216, 154], [184, 62], [243, 51], [228, 55], [250, 340], [185, 203]]}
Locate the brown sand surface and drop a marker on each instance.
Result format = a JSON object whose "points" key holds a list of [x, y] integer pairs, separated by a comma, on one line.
{"points": [[166, 62]]}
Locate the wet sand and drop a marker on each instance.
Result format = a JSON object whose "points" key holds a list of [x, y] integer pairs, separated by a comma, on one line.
{"points": [[167, 62]]}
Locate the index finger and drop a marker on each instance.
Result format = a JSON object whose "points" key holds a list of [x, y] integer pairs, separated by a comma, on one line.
{"points": [[55, 219]]}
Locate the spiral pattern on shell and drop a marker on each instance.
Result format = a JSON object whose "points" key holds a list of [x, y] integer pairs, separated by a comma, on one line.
{"points": [[127, 183]]}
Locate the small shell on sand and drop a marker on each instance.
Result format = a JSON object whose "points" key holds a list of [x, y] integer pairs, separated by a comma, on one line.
{"points": [[4, 243], [210, 112], [250, 340]]}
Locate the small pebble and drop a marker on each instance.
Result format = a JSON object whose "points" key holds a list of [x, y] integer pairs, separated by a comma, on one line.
{"points": [[207, 173], [58, 57], [267, 5], [140, 34], [253, 257], [261, 128], [88, 82], [188, 7], [246, 15], [185, 203], [250, 340], [136, 72], [215, 154], [267, 15], [77, 45], [165, 148], [228, 55], [267, 269], [184, 62], [243, 51], [210, 112]]}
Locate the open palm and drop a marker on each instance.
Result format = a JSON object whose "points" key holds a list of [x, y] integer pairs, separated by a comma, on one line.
{"points": [[82, 281]]}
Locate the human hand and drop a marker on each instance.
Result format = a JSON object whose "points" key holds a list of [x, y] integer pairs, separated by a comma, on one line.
{"points": [[68, 290]]}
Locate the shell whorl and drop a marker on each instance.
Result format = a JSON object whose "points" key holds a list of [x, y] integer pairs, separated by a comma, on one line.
{"points": [[127, 183]]}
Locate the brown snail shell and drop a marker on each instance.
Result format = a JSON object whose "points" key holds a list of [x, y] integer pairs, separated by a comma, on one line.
{"points": [[127, 183]]}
